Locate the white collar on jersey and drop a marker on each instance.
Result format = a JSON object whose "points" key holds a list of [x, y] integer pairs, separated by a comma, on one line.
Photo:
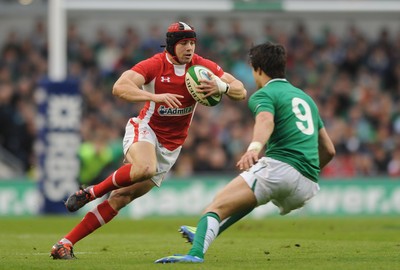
{"points": [[275, 80], [178, 69]]}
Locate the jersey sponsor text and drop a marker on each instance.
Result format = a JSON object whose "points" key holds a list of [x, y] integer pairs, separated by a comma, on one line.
{"points": [[165, 111]]}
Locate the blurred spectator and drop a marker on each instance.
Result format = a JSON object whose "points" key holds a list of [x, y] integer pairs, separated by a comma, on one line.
{"points": [[16, 133], [394, 164], [210, 38], [99, 156], [184, 168], [354, 79], [152, 41], [107, 55]]}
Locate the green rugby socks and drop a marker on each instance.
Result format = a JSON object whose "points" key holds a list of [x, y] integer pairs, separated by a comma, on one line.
{"points": [[207, 231]]}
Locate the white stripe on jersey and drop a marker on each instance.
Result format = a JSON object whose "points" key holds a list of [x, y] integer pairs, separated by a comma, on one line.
{"points": [[149, 88]]}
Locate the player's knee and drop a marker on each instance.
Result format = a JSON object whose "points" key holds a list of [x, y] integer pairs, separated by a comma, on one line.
{"points": [[143, 172]]}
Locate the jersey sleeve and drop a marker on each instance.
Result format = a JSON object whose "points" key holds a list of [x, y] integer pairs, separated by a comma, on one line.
{"points": [[147, 68], [261, 101], [320, 123]]}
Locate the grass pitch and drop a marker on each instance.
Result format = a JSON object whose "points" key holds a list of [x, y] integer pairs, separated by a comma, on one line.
{"points": [[273, 243]]}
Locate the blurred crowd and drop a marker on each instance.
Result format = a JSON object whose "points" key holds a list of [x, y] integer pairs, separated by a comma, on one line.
{"points": [[355, 80]]}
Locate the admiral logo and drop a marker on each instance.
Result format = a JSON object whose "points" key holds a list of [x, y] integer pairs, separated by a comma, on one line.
{"points": [[165, 111]]}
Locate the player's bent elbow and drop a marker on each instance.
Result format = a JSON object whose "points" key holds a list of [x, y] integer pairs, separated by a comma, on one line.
{"points": [[329, 152], [332, 152], [116, 90], [238, 97], [330, 149], [119, 91], [325, 144]]}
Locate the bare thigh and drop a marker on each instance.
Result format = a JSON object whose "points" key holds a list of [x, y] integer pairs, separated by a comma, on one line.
{"points": [[234, 197], [142, 156], [121, 197]]}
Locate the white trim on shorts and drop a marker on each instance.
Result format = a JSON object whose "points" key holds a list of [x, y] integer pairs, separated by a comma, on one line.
{"points": [[278, 182], [137, 130]]}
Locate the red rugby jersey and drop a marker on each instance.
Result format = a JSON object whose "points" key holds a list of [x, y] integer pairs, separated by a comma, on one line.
{"points": [[170, 124]]}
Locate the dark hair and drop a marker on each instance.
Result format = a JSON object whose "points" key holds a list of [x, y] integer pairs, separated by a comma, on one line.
{"points": [[270, 58]]}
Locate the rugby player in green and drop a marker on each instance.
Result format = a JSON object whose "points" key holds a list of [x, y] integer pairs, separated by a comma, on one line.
{"points": [[289, 127]]}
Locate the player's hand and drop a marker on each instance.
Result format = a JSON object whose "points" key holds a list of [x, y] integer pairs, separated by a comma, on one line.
{"points": [[247, 160], [171, 100], [208, 87]]}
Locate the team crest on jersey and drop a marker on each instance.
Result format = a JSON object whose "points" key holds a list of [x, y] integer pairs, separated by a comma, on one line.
{"points": [[144, 133], [165, 111]]}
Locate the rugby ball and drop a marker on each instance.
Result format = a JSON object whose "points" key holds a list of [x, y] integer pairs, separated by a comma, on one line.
{"points": [[192, 77]]}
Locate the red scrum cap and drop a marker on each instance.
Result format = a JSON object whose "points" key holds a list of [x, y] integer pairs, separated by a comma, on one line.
{"points": [[177, 32]]}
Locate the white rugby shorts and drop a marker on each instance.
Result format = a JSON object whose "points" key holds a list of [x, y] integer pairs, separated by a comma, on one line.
{"points": [[138, 130], [278, 182]]}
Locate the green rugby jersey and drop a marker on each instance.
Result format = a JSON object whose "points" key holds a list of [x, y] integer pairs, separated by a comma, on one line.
{"points": [[297, 122]]}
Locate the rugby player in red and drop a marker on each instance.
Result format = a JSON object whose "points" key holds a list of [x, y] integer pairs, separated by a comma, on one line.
{"points": [[154, 138]]}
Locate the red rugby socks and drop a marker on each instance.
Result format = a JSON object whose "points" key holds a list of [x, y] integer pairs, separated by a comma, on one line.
{"points": [[120, 178], [93, 220]]}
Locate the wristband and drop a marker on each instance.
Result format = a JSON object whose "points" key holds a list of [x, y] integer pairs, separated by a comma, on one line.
{"points": [[227, 88], [223, 87], [255, 146]]}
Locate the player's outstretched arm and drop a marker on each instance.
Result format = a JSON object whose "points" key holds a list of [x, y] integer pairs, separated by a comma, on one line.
{"points": [[263, 128]]}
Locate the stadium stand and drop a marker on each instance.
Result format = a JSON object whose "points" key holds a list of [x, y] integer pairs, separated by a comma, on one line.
{"points": [[354, 77]]}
